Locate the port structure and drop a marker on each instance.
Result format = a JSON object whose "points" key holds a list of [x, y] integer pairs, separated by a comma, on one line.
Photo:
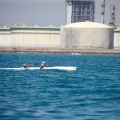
{"points": [[79, 10]]}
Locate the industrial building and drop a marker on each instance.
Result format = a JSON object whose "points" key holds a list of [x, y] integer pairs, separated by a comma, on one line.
{"points": [[80, 31], [79, 10], [30, 36], [50, 37], [87, 35], [117, 38]]}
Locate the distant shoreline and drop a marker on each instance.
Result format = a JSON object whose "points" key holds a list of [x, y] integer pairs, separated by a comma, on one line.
{"points": [[58, 50]]}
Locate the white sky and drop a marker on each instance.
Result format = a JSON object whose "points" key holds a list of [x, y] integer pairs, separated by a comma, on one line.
{"points": [[45, 12]]}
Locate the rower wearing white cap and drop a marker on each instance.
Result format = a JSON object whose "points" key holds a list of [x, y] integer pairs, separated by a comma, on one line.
{"points": [[43, 64]]}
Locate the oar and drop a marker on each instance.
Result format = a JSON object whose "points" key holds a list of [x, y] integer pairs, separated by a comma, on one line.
{"points": [[30, 65], [51, 64], [36, 63]]}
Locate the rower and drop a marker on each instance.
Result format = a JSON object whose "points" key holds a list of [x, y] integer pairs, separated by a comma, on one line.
{"points": [[43, 64], [25, 65]]}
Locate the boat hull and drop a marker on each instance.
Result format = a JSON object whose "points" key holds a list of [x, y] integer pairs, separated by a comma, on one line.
{"points": [[69, 68]]}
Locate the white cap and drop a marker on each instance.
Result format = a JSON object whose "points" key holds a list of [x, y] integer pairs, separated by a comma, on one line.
{"points": [[43, 62]]}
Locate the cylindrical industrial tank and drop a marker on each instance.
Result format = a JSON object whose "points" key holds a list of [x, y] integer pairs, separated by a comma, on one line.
{"points": [[87, 35]]}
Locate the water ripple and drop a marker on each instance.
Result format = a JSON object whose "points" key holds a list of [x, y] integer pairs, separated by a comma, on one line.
{"points": [[91, 92]]}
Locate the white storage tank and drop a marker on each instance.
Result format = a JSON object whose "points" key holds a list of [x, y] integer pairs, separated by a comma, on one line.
{"points": [[87, 35]]}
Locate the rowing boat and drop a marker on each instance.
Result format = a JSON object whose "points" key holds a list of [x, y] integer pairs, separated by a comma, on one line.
{"points": [[69, 68]]}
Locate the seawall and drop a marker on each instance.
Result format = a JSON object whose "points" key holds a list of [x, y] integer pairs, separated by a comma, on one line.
{"points": [[58, 50]]}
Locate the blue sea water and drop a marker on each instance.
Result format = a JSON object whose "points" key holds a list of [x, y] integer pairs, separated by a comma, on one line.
{"points": [[92, 92]]}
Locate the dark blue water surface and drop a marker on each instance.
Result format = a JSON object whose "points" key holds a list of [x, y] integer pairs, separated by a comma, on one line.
{"points": [[92, 92]]}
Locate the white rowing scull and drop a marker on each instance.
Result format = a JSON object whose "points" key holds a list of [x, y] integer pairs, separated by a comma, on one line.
{"points": [[69, 68]]}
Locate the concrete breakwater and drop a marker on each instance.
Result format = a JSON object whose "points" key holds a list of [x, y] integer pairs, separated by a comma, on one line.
{"points": [[58, 50]]}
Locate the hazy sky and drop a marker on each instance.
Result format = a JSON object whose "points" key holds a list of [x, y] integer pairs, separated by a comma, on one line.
{"points": [[45, 12]]}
